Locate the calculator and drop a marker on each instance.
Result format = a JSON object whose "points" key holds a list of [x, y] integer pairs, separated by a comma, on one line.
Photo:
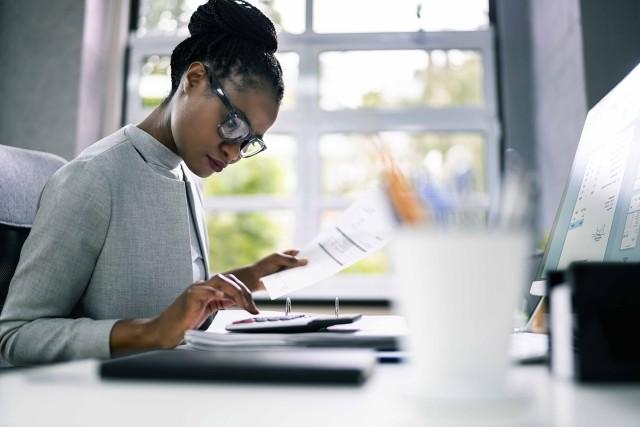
{"points": [[289, 323]]}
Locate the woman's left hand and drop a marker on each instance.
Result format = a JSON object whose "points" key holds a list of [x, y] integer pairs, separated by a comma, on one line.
{"points": [[270, 264]]}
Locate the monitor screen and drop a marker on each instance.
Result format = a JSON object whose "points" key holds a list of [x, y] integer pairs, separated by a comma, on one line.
{"points": [[599, 217]]}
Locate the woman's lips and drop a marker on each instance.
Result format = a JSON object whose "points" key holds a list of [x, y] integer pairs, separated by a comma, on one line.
{"points": [[216, 165]]}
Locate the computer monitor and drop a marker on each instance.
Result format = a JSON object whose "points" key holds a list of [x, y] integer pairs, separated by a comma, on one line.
{"points": [[599, 216]]}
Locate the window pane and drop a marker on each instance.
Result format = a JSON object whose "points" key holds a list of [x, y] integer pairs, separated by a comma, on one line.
{"points": [[453, 162], [172, 16], [155, 80], [376, 263], [357, 16], [290, 65], [270, 172], [238, 239], [400, 78]]}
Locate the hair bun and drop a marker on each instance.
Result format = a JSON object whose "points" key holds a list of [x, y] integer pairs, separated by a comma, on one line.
{"points": [[235, 19]]}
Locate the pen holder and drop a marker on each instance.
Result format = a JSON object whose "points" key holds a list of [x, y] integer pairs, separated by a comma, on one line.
{"points": [[458, 292]]}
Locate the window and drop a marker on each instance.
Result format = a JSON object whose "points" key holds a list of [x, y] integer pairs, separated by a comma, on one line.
{"points": [[416, 75]]}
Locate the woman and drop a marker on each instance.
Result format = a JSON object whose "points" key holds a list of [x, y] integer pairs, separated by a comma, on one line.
{"points": [[117, 257]]}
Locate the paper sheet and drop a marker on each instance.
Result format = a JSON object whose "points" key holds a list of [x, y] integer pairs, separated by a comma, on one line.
{"points": [[364, 227], [368, 332]]}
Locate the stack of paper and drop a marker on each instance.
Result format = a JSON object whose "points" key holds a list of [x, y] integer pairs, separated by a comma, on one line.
{"points": [[376, 332], [201, 340]]}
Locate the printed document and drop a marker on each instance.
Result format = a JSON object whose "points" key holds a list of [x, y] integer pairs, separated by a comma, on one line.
{"points": [[364, 227]]}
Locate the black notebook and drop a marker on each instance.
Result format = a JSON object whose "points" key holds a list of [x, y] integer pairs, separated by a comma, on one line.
{"points": [[273, 366]]}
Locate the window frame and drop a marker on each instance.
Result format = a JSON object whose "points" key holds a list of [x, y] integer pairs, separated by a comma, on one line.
{"points": [[306, 122]]}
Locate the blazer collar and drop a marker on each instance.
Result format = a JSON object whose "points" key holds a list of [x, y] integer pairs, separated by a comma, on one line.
{"points": [[152, 150]]}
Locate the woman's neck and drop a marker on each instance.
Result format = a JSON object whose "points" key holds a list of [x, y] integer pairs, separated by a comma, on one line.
{"points": [[158, 125]]}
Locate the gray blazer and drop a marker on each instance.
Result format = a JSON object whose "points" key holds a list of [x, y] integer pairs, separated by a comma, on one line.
{"points": [[110, 241]]}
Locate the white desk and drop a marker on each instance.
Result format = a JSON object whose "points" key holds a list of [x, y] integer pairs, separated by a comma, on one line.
{"points": [[73, 395]]}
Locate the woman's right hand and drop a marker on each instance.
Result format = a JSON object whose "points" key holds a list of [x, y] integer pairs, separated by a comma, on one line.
{"points": [[195, 304], [188, 311]]}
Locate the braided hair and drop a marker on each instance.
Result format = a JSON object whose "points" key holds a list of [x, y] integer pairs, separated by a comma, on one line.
{"points": [[232, 38]]}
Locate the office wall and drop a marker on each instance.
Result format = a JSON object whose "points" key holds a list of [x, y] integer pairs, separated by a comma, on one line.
{"points": [[611, 40], [515, 77], [101, 85], [560, 104], [40, 57], [515, 81]]}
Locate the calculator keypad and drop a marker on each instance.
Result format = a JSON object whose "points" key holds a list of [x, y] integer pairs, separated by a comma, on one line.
{"points": [[269, 319]]}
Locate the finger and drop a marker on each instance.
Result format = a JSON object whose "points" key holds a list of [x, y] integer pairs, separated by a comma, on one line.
{"points": [[209, 291], [239, 282], [239, 294], [246, 292], [216, 304], [225, 303], [281, 261], [293, 252], [260, 286], [201, 301], [288, 260], [202, 293], [220, 304], [212, 307]]}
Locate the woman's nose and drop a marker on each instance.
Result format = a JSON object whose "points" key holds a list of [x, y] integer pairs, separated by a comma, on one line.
{"points": [[231, 151]]}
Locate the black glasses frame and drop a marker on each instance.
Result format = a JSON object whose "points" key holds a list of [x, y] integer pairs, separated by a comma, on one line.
{"points": [[234, 114]]}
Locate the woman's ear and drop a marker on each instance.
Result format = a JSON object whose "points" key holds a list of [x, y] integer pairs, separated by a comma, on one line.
{"points": [[195, 78]]}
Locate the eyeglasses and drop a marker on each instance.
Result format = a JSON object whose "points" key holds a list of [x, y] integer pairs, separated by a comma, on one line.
{"points": [[235, 128]]}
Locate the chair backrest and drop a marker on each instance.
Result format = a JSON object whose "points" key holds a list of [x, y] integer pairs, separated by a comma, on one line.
{"points": [[23, 174]]}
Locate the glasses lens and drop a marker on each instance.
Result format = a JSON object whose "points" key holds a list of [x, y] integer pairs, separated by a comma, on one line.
{"points": [[252, 147], [234, 128]]}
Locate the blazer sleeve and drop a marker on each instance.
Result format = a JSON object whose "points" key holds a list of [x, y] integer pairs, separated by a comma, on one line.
{"points": [[55, 267]]}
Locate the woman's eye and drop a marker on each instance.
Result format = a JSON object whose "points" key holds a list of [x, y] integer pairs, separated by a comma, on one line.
{"points": [[234, 124], [235, 128]]}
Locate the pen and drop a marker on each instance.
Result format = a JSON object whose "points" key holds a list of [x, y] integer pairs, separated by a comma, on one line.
{"points": [[404, 200]]}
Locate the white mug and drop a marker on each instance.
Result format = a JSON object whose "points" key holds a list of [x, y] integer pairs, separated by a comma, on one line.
{"points": [[458, 292]]}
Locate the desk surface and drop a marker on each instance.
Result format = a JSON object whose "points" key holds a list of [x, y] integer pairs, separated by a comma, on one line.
{"points": [[73, 394]]}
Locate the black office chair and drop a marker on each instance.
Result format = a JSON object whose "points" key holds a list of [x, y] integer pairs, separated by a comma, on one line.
{"points": [[23, 174]]}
